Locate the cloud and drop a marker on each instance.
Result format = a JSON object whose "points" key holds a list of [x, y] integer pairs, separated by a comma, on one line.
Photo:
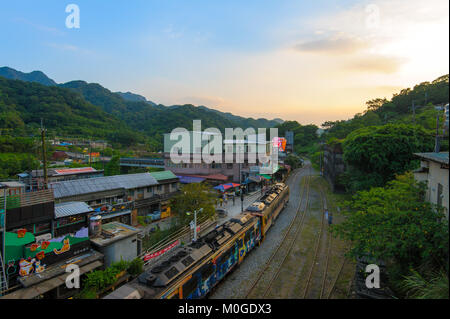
{"points": [[337, 44], [376, 63], [69, 48], [40, 27]]}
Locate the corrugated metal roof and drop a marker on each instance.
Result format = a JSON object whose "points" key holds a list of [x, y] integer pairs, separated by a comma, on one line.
{"points": [[163, 175], [71, 208], [436, 157], [99, 184]]}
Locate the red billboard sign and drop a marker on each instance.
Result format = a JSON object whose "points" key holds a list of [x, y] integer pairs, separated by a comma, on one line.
{"points": [[162, 251]]}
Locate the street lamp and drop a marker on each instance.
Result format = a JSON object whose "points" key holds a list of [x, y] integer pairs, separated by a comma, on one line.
{"points": [[195, 221]]}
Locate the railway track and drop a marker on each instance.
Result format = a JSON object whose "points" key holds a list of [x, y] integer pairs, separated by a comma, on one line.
{"points": [[286, 242], [311, 291], [321, 280], [329, 241]]}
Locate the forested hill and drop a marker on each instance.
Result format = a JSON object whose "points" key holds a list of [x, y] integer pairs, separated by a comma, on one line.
{"points": [[399, 109], [82, 109], [35, 76], [64, 113], [135, 113]]}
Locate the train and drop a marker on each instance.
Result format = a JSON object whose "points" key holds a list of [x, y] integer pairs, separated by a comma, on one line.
{"points": [[192, 271]]}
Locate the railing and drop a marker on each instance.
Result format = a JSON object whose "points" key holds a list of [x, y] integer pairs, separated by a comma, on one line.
{"points": [[204, 223], [28, 199]]}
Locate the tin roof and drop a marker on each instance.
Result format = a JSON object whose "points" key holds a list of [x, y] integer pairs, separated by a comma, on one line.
{"points": [[159, 176], [99, 184], [71, 208], [435, 157]]}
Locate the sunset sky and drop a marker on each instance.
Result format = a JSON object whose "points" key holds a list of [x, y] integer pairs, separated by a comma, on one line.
{"points": [[309, 61]]}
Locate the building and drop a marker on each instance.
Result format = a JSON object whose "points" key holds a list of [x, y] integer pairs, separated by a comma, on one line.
{"points": [[334, 166], [117, 242], [192, 164], [12, 188], [123, 197], [40, 239], [70, 217], [34, 180], [289, 135], [434, 171]]}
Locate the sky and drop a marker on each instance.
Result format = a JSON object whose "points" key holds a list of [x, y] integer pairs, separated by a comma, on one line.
{"points": [[309, 61]]}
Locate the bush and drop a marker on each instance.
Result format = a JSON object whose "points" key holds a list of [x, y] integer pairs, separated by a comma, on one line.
{"points": [[136, 267]]}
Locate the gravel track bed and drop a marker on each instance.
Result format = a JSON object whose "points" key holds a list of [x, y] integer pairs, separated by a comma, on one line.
{"points": [[236, 284]]}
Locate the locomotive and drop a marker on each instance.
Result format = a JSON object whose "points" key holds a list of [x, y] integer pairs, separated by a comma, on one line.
{"points": [[192, 271]]}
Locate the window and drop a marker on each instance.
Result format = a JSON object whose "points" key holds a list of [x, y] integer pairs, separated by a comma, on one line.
{"points": [[42, 228], [230, 166], [159, 188], [189, 287], [207, 271], [171, 272]]}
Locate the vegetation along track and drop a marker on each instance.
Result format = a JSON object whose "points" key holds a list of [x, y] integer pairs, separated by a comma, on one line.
{"points": [[264, 280]]}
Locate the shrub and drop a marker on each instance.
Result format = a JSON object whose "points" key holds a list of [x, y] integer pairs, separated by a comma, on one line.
{"points": [[136, 267]]}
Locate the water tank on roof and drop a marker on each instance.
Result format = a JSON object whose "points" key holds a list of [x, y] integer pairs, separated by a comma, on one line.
{"points": [[95, 226]]}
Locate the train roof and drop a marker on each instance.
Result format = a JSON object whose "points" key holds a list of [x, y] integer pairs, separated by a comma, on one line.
{"points": [[260, 205], [173, 265]]}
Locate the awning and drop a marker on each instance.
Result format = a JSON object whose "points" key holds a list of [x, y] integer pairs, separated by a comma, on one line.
{"points": [[268, 177], [190, 179], [107, 216], [224, 187], [252, 179]]}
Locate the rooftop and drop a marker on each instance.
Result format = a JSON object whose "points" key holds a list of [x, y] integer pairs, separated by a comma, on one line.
{"points": [[71, 209], [116, 230], [164, 175], [99, 184], [435, 157]]}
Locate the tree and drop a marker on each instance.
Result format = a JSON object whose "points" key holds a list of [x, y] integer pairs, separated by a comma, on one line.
{"points": [[395, 224], [113, 166], [193, 197], [375, 104], [293, 160], [383, 151]]}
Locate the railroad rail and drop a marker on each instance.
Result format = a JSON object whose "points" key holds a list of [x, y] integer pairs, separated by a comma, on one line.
{"points": [[294, 220], [318, 242]]}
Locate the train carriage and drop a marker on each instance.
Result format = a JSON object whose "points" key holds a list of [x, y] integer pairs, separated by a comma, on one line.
{"points": [[192, 271], [269, 206]]}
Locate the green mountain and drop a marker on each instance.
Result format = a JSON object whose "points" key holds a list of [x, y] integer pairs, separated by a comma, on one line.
{"points": [[424, 96], [144, 115], [155, 120], [64, 113], [128, 96], [82, 109], [35, 76]]}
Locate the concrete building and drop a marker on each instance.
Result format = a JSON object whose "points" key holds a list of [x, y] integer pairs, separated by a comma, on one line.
{"points": [[334, 165], [192, 164], [117, 241], [434, 171], [34, 180]]}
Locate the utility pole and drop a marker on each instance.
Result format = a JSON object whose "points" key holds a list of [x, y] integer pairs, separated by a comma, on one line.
{"points": [[437, 142], [44, 155]]}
